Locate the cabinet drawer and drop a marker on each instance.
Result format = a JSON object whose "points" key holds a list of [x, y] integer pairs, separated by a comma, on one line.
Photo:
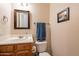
{"points": [[24, 53], [21, 47], [6, 48], [7, 54]]}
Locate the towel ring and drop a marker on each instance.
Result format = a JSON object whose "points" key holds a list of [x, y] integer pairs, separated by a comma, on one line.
{"points": [[4, 19]]}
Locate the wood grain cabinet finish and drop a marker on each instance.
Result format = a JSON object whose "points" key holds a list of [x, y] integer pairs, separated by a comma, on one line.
{"points": [[6, 48], [24, 53], [7, 54], [23, 49], [20, 47]]}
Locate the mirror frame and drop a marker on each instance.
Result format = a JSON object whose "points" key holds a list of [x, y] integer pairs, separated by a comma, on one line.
{"points": [[15, 19]]}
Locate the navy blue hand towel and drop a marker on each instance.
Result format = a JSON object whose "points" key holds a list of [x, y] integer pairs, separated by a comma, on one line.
{"points": [[41, 31]]}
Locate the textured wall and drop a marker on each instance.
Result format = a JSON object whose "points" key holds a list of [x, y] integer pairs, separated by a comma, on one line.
{"points": [[65, 35]]}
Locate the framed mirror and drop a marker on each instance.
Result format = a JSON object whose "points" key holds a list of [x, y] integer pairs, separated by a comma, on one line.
{"points": [[21, 19]]}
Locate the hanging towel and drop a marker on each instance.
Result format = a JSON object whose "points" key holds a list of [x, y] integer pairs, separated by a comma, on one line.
{"points": [[41, 31]]}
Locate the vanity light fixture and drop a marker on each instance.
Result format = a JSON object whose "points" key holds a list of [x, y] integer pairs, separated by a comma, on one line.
{"points": [[24, 4]]}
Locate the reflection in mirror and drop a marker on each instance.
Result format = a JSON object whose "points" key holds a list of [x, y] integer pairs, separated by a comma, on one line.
{"points": [[21, 19]]}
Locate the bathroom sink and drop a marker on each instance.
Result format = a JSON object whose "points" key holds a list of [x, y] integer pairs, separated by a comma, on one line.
{"points": [[20, 39], [23, 38]]}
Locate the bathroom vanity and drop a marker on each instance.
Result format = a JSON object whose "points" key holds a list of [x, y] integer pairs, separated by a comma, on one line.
{"points": [[16, 47]]}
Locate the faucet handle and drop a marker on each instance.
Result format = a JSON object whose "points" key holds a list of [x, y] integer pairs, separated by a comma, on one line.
{"points": [[21, 37]]}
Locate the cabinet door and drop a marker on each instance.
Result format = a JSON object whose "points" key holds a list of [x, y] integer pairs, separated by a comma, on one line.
{"points": [[24, 53], [7, 54], [6, 48], [21, 47]]}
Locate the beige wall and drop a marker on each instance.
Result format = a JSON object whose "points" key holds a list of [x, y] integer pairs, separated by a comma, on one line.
{"points": [[65, 35], [5, 9], [38, 12]]}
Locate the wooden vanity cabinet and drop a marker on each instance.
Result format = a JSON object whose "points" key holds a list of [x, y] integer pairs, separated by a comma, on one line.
{"points": [[24, 53], [22, 49], [7, 54], [6, 48]]}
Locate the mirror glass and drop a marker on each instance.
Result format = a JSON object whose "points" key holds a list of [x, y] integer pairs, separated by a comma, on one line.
{"points": [[21, 19]]}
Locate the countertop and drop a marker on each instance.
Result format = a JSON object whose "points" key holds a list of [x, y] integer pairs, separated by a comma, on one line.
{"points": [[16, 40]]}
